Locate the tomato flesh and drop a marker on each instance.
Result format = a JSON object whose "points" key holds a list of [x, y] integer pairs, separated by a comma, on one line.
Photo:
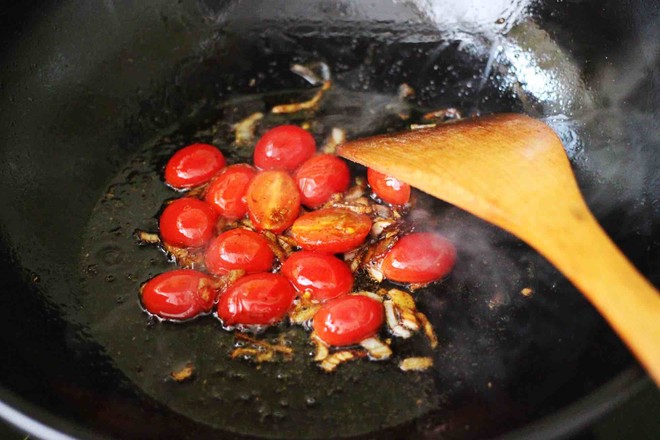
{"points": [[348, 320], [273, 201], [227, 192], [179, 294], [320, 177], [420, 257], [324, 276], [258, 299], [238, 249], [187, 222], [284, 148], [389, 189], [193, 165], [331, 230]]}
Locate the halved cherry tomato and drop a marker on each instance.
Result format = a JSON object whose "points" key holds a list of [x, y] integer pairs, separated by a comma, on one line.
{"points": [[348, 320], [258, 299], [388, 188], [284, 148], [227, 192], [238, 249], [273, 201], [320, 177], [187, 222], [420, 257], [331, 230], [323, 275], [179, 294], [193, 165]]}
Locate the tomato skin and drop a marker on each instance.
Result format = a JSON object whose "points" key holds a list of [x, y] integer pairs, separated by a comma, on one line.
{"points": [[179, 294], [420, 257], [284, 148], [389, 189], [238, 249], [331, 230], [320, 177], [348, 320], [273, 201], [187, 222], [193, 165], [324, 276], [227, 192], [257, 299]]}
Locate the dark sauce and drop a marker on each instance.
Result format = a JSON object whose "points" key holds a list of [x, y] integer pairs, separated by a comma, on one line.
{"points": [[281, 399]]}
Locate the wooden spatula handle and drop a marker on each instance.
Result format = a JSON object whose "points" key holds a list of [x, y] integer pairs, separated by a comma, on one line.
{"points": [[580, 249]]}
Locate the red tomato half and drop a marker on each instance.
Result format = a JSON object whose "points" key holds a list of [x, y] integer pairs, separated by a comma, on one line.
{"points": [[331, 230], [325, 276], [420, 257], [258, 299], [388, 188], [284, 148], [320, 177], [348, 320], [227, 192], [193, 165], [273, 201], [187, 222], [179, 294], [238, 249]]}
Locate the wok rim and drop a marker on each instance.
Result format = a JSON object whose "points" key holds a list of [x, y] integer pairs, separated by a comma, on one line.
{"points": [[31, 419]]}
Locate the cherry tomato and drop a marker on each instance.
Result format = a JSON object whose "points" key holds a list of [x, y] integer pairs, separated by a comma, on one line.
{"points": [[193, 165], [320, 177], [284, 148], [331, 230], [227, 192], [258, 299], [420, 257], [348, 320], [179, 294], [238, 249], [187, 222], [273, 201], [388, 188], [323, 275]]}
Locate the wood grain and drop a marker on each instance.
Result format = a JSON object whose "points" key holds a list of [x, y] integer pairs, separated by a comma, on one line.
{"points": [[512, 171]]}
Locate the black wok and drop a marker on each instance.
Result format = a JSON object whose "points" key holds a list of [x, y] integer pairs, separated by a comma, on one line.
{"points": [[96, 95]]}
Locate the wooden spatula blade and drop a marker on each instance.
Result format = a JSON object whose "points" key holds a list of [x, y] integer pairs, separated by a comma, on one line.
{"points": [[512, 171]]}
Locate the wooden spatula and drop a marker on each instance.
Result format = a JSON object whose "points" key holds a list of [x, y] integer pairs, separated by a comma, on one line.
{"points": [[512, 171]]}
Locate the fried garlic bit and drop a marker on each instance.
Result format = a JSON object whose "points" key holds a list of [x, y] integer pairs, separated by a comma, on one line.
{"points": [[260, 351], [405, 91], [422, 126], [336, 137], [315, 74], [443, 115], [145, 237], [274, 245], [416, 364], [244, 130], [332, 361], [303, 310], [186, 258], [377, 349], [183, 374], [428, 329], [402, 317], [310, 104], [322, 351], [328, 361]]}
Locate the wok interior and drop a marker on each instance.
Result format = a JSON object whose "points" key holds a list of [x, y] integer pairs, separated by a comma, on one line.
{"points": [[93, 104]]}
